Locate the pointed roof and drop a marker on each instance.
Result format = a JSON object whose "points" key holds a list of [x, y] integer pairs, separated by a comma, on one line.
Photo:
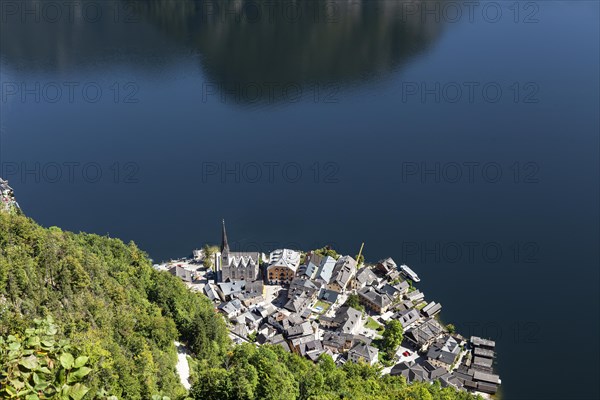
{"points": [[369, 353], [224, 243]]}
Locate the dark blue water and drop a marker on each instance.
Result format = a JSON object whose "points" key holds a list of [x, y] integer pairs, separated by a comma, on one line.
{"points": [[464, 144]]}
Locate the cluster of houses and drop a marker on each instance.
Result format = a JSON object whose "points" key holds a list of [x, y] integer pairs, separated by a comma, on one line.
{"points": [[7, 196], [300, 302]]}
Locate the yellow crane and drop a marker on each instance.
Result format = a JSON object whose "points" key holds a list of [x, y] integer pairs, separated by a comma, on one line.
{"points": [[360, 251]]}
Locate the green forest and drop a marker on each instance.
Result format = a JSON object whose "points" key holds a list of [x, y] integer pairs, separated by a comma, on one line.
{"points": [[84, 316]]}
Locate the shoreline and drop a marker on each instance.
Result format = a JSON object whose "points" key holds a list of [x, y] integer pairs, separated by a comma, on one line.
{"points": [[319, 302]]}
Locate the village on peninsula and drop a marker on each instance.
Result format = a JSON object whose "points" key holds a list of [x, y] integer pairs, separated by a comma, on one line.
{"points": [[319, 302]]}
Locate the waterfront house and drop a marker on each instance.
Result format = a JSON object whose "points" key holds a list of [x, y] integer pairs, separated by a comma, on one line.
{"points": [[283, 264], [315, 258], [198, 254], [186, 273], [483, 355], [325, 271], [476, 341], [431, 309], [405, 305], [479, 351], [308, 270], [386, 265], [415, 296], [239, 266], [391, 291], [388, 268], [425, 334], [343, 271], [364, 277], [482, 363], [486, 382], [402, 287], [373, 300], [233, 265], [443, 352]]}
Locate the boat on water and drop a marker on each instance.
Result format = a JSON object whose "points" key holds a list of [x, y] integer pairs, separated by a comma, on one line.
{"points": [[410, 273]]}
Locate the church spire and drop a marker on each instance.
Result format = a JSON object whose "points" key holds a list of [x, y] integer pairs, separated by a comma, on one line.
{"points": [[224, 243]]}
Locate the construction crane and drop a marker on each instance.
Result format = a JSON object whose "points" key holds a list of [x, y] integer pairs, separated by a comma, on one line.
{"points": [[360, 252]]}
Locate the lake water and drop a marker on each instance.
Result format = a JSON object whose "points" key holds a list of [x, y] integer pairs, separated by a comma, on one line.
{"points": [[460, 138]]}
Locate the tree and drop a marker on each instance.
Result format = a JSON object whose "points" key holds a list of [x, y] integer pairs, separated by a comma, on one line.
{"points": [[392, 337], [209, 253], [354, 302], [108, 302], [121, 320], [327, 251], [451, 328], [360, 259], [302, 258]]}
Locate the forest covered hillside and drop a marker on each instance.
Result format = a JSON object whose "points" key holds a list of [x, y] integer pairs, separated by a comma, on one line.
{"points": [[86, 316], [106, 298]]}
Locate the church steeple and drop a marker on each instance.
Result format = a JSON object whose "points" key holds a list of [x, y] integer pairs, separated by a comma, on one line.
{"points": [[224, 243]]}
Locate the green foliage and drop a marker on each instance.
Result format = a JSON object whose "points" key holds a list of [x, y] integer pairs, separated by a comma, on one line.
{"points": [[116, 319], [372, 324], [451, 328], [209, 253], [302, 258], [268, 372], [354, 302], [109, 302], [252, 336], [327, 251], [385, 360], [392, 338], [36, 365], [360, 259]]}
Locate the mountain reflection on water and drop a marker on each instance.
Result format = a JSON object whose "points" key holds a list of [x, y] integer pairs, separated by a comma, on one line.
{"points": [[263, 49]]}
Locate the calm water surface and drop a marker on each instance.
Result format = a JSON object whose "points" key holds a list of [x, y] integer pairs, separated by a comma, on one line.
{"points": [[464, 144]]}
